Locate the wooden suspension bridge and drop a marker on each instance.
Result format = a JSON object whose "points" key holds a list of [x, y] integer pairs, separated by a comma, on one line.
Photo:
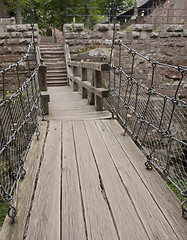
{"points": [[87, 179]]}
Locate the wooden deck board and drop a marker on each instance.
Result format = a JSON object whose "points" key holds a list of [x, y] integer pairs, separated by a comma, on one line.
{"points": [[67, 105], [44, 222], [16, 231], [152, 218], [73, 226], [93, 185], [164, 198], [125, 216], [98, 219]]}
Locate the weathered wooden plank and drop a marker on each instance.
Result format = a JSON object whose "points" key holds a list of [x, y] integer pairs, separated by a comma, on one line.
{"points": [[145, 205], [72, 212], [66, 104], [26, 188], [44, 222], [98, 219], [90, 65], [166, 200], [101, 92], [126, 219]]}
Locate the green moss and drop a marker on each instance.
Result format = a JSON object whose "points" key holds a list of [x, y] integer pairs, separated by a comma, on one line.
{"points": [[128, 29], [3, 211], [176, 191]]}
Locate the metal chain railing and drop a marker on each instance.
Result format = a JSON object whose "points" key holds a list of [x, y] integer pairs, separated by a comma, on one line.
{"points": [[18, 120], [157, 122]]}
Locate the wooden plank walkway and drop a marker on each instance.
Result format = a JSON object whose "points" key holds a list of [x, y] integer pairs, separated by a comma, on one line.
{"points": [[86, 180], [68, 105]]}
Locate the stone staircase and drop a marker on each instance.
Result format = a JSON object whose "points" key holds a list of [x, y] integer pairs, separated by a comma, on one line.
{"points": [[54, 59]]}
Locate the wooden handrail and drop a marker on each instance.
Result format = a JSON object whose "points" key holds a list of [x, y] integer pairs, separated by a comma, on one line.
{"points": [[77, 73], [89, 65]]}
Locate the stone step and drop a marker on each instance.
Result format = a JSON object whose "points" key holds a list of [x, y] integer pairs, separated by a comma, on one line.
{"points": [[47, 56], [57, 67], [57, 83], [56, 71], [52, 53], [57, 74], [51, 46], [53, 61], [54, 78], [55, 64]]}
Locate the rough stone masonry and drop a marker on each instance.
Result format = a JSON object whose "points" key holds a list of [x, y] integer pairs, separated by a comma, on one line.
{"points": [[167, 44]]}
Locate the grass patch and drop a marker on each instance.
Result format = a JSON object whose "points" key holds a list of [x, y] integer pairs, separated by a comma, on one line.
{"points": [[176, 191], [3, 211]]}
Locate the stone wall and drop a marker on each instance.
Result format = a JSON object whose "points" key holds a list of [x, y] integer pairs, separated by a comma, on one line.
{"points": [[167, 45], [14, 41], [171, 12], [81, 40]]}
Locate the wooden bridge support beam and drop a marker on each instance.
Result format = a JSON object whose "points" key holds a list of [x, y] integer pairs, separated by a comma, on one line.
{"points": [[98, 84], [43, 87], [84, 92], [94, 90], [76, 74]]}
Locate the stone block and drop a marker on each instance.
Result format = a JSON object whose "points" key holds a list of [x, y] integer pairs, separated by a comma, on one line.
{"points": [[99, 42], [78, 27], [71, 35], [169, 28], [88, 42], [179, 28], [172, 74], [167, 51], [7, 21], [16, 35], [108, 42], [11, 28], [175, 34], [27, 34], [102, 27], [164, 35], [70, 42], [148, 27], [19, 50], [137, 27], [4, 35], [170, 44], [23, 41], [84, 35], [180, 44], [28, 27], [154, 35], [21, 27], [67, 28], [74, 49], [185, 34], [180, 61], [135, 35], [12, 42]]}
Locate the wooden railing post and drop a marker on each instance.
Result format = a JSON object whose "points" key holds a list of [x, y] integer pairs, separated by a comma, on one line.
{"points": [[68, 58], [42, 77], [75, 74], [91, 97], [84, 92], [43, 84], [94, 90], [98, 84]]}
